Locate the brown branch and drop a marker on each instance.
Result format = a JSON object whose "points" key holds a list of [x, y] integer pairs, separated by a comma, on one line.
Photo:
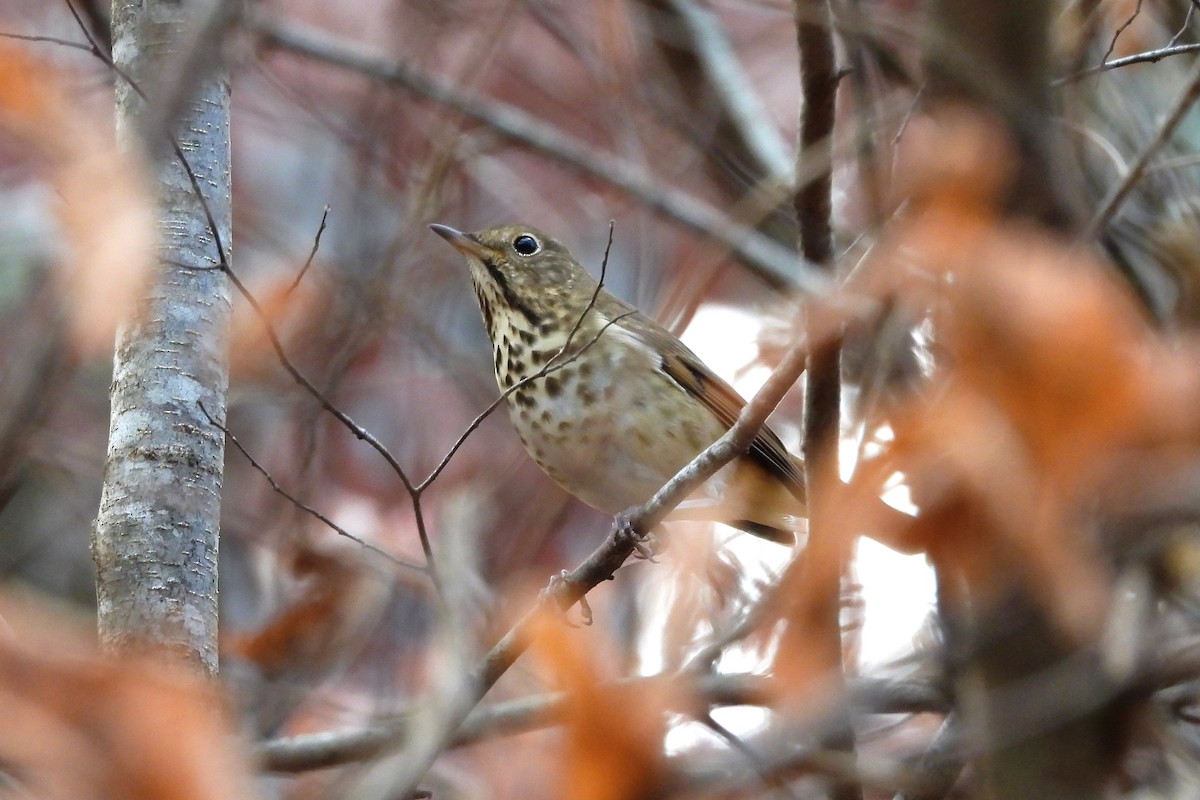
{"points": [[826, 556], [329, 749], [359, 432], [818, 84], [769, 259], [1112, 45]]}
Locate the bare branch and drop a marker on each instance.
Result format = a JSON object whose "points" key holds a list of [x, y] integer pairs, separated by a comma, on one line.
{"points": [[770, 259], [359, 432], [321, 750], [21, 37], [729, 83], [826, 555]]}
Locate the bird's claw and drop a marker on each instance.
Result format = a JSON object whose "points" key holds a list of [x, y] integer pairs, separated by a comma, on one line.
{"points": [[585, 612], [644, 545], [552, 590]]}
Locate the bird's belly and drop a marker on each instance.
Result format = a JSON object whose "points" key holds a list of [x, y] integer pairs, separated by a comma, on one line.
{"points": [[612, 444]]}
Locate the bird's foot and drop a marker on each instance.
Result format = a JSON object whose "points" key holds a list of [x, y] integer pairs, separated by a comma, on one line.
{"points": [[645, 546], [556, 581]]}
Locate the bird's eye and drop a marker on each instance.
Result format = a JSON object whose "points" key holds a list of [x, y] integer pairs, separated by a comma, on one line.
{"points": [[526, 245]]}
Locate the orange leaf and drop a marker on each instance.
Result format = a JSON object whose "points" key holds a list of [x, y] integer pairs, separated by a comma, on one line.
{"points": [[106, 211]]}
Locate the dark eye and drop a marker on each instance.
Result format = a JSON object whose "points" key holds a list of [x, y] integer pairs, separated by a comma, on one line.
{"points": [[526, 245]]}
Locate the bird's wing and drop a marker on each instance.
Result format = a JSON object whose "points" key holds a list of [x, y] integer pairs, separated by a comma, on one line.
{"points": [[685, 368]]}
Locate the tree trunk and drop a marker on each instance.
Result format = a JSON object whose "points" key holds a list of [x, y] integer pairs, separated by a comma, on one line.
{"points": [[155, 538]]}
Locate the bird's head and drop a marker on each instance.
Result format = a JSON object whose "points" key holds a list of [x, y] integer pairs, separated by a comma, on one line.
{"points": [[517, 269]]}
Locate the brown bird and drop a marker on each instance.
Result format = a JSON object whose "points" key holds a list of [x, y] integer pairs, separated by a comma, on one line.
{"points": [[617, 404]]}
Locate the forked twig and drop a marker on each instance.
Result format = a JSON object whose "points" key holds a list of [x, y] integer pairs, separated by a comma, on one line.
{"points": [[274, 484]]}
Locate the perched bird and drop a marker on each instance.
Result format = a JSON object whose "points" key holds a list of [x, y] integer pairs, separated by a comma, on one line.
{"points": [[618, 404]]}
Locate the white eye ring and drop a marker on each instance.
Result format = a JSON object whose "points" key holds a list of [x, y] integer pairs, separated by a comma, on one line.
{"points": [[526, 245]]}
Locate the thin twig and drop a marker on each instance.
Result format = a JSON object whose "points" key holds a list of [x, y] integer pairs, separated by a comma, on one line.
{"points": [[300, 505], [359, 432], [313, 253], [747, 622], [1119, 193], [1112, 45], [774, 781], [1150, 56], [51, 39], [1187, 23]]}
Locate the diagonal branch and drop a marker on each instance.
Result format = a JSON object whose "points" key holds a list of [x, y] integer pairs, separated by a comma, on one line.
{"points": [[1120, 193], [771, 260]]}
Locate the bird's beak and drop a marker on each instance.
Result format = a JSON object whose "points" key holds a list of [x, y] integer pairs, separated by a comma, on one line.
{"points": [[462, 242]]}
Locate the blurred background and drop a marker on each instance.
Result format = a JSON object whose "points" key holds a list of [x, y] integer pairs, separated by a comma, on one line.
{"points": [[337, 175]]}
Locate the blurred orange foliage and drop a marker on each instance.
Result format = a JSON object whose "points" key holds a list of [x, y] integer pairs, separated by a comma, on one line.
{"points": [[78, 725], [613, 731], [290, 309], [1050, 385], [342, 595], [106, 210]]}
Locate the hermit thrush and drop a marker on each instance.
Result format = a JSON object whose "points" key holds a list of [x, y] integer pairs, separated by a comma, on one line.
{"points": [[609, 403]]}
